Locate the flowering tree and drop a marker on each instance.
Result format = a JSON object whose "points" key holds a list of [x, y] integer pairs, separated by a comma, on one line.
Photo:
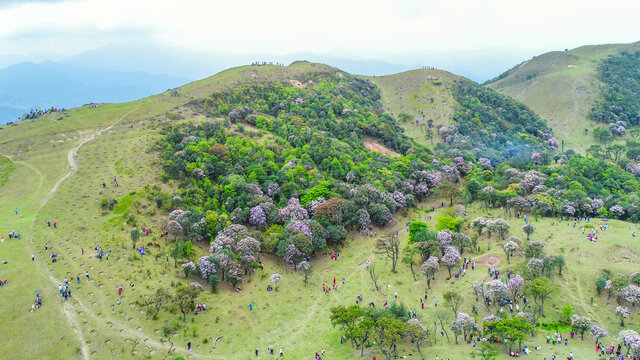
{"points": [[399, 199], [451, 258], [486, 163], [528, 229], [273, 189], [501, 226], [515, 285], [537, 159], [623, 313], [257, 216], [306, 268], [466, 323], [535, 265], [598, 332], [535, 249], [174, 228], [445, 238], [496, 290], [275, 278], [630, 294], [293, 255], [630, 339], [293, 211], [363, 217], [253, 189], [581, 324], [528, 317], [188, 268], [617, 210], [510, 247], [207, 266], [429, 268]]}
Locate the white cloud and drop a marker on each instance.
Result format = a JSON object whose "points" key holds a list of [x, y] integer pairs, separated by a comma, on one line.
{"points": [[355, 28]]}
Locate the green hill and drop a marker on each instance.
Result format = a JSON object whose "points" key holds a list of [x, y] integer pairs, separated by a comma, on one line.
{"points": [[563, 87], [241, 176]]}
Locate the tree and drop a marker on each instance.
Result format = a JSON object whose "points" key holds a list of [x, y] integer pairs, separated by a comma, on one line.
{"points": [[502, 226], [450, 191], [451, 258], [540, 288], [602, 135], [581, 324], [528, 229], [184, 298], [512, 330], [174, 228], [510, 247], [622, 313], [441, 317], [374, 276], [429, 136], [616, 150], [453, 300], [390, 246], [409, 258], [560, 263], [306, 268], [417, 334], [429, 268], [598, 332], [275, 278], [134, 235], [485, 351], [160, 298], [188, 268], [387, 333]]}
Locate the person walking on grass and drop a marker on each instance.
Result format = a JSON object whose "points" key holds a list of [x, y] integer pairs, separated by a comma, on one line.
{"points": [[281, 352], [33, 257], [189, 347]]}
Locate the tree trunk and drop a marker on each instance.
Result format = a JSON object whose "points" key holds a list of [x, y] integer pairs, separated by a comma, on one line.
{"points": [[412, 272]]}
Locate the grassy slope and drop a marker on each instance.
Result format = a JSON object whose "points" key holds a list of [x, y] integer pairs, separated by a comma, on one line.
{"points": [[424, 94], [295, 318], [561, 87]]}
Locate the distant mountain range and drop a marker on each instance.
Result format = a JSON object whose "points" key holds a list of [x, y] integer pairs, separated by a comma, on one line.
{"points": [[27, 85], [127, 72]]}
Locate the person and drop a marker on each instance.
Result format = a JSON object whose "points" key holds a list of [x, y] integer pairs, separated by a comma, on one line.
{"points": [[281, 352], [16, 210], [256, 352], [250, 307], [189, 347], [86, 274], [33, 257], [82, 250]]}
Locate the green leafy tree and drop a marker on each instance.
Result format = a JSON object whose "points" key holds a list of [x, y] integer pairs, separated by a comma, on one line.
{"points": [[184, 299], [387, 333], [390, 246], [602, 135], [540, 288], [453, 300], [409, 258], [485, 351], [134, 235]]}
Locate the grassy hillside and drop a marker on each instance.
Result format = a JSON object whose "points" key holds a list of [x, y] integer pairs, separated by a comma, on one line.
{"points": [[423, 94], [56, 167], [562, 87]]}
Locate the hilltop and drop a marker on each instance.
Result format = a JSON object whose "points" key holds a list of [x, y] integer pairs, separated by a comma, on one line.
{"points": [[277, 195], [563, 87]]}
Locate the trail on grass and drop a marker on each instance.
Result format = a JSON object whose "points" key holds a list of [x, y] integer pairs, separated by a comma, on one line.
{"points": [[71, 157], [68, 307]]}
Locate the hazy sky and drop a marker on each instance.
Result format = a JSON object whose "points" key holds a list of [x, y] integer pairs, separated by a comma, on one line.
{"points": [[354, 28]]}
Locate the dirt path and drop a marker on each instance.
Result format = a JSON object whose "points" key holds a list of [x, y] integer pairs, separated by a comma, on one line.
{"points": [[71, 157]]}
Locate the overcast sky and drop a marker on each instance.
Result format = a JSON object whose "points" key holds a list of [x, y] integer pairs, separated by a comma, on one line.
{"points": [[362, 29]]}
